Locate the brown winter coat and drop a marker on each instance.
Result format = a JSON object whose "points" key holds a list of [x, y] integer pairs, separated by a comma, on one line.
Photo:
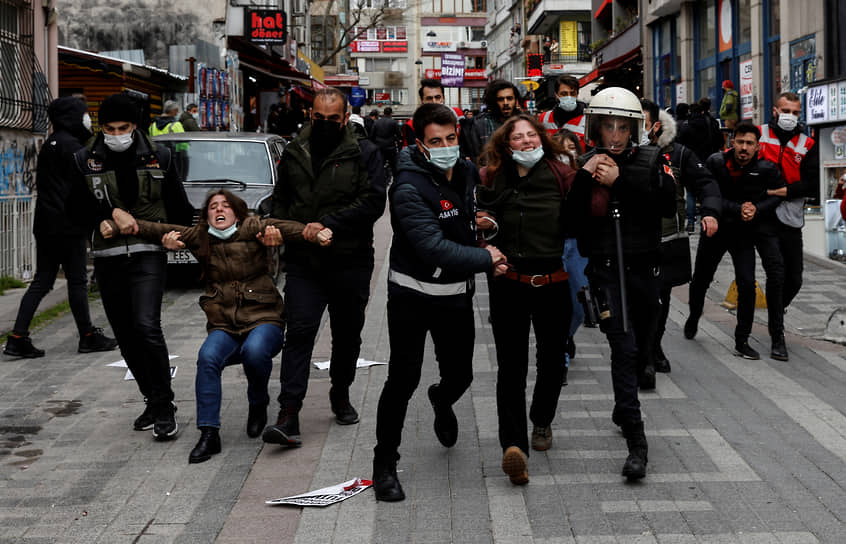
{"points": [[240, 295]]}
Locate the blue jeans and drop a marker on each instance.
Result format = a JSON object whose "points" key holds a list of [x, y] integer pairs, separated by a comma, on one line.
{"points": [[255, 351], [690, 208], [575, 264]]}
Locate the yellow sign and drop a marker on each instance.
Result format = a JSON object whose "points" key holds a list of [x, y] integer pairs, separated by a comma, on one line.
{"points": [[531, 85], [316, 71], [569, 42]]}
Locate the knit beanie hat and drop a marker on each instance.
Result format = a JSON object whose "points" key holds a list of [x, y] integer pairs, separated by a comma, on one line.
{"points": [[118, 107]]}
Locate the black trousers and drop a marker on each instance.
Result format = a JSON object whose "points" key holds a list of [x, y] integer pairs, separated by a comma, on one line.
{"points": [[740, 245], [308, 292], [661, 326], [450, 322], [771, 259], [633, 348], [516, 306], [790, 245], [131, 287], [52, 252]]}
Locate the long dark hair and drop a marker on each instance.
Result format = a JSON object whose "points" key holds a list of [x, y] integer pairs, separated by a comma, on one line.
{"points": [[238, 206], [497, 151]]}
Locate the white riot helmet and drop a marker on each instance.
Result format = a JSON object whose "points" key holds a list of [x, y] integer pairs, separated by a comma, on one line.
{"points": [[619, 105]]}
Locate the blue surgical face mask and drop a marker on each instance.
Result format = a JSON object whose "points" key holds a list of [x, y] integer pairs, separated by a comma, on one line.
{"points": [[443, 158], [224, 234], [527, 158], [567, 103]]}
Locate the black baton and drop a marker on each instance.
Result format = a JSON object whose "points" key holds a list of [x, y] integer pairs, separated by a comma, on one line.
{"points": [[621, 268]]}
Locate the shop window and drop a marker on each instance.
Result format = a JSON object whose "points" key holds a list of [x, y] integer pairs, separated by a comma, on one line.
{"points": [[705, 25], [388, 97], [772, 55]]}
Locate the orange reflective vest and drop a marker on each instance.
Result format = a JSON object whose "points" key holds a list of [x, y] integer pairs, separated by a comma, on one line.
{"points": [[789, 157], [575, 125]]}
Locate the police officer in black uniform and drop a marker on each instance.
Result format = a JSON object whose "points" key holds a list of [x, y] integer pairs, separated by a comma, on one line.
{"points": [[616, 203], [125, 176]]}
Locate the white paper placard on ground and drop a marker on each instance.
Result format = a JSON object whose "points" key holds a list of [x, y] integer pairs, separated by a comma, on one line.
{"points": [[326, 496], [360, 363], [122, 363], [128, 376]]}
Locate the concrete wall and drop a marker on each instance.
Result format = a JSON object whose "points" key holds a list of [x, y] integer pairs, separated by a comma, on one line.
{"points": [[151, 25]]}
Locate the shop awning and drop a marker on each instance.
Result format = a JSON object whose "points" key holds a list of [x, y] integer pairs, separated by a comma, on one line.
{"points": [[613, 64], [282, 73], [271, 65]]}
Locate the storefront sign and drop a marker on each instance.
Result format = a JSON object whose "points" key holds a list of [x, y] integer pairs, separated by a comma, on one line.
{"points": [[568, 38], [265, 26], [433, 45], [680, 93], [470, 74], [725, 25], [382, 97], [832, 102], [364, 81], [363, 46], [357, 96], [395, 47], [747, 104], [816, 105], [452, 69], [841, 100]]}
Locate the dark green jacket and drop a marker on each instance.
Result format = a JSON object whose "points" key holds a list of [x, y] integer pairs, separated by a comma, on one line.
{"points": [[528, 212], [347, 195]]}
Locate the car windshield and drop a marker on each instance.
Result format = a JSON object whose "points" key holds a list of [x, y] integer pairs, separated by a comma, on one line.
{"points": [[213, 160]]}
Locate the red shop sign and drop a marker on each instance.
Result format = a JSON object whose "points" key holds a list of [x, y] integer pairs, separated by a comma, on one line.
{"points": [[395, 47]]}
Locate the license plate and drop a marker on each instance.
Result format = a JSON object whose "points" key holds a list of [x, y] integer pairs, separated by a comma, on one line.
{"points": [[180, 256]]}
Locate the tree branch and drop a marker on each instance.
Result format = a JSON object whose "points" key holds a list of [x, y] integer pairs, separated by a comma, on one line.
{"points": [[348, 31]]}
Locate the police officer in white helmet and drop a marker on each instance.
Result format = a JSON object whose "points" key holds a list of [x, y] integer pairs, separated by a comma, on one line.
{"points": [[620, 192]]}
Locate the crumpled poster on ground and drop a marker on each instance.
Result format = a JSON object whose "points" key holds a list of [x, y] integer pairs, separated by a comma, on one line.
{"points": [[360, 363], [326, 496]]}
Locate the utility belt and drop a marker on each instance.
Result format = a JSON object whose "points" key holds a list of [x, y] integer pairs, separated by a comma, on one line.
{"points": [[537, 280]]}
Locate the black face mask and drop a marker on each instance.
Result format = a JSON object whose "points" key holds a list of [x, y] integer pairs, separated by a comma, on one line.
{"points": [[325, 134]]}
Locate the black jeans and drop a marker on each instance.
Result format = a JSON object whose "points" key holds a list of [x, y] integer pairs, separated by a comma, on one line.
{"points": [[633, 348], [790, 244], [516, 306], [740, 245], [771, 260], [131, 287], [345, 289], [52, 252], [450, 322], [661, 325]]}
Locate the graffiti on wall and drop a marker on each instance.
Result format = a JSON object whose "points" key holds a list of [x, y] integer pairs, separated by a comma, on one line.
{"points": [[17, 164]]}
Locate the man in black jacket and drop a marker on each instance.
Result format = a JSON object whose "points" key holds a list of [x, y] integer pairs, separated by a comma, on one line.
{"points": [[124, 176], [691, 176], [747, 220], [387, 136], [430, 285], [616, 203], [502, 100], [58, 241], [335, 185]]}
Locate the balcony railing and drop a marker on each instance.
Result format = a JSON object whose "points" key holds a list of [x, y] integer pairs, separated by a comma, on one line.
{"points": [[555, 58]]}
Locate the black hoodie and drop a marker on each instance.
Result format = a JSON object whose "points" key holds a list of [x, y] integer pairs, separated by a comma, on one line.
{"points": [[53, 180]]}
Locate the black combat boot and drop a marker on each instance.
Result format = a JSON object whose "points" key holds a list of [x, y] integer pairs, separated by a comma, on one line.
{"points": [[21, 346], [635, 466], [446, 424], [646, 376], [208, 445], [385, 481], [662, 364], [339, 399], [779, 348], [286, 432], [256, 419]]}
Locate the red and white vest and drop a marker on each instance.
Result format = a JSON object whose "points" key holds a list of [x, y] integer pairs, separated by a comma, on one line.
{"points": [[789, 157], [576, 125]]}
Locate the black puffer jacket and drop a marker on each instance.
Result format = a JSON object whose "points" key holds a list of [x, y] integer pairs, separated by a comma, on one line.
{"points": [[433, 220], [53, 180]]}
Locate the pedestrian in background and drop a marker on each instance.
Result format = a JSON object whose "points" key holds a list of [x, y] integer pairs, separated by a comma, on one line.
{"points": [[124, 176], [166, 123], [387, 136], [327, 180], [523, 192], [58, 241], [190, 118], [729, 105], [568, 112], [430, 286], [501, 101]]}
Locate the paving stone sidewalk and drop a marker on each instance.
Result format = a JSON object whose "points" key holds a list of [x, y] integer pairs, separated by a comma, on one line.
{"points": [[740, 451]]}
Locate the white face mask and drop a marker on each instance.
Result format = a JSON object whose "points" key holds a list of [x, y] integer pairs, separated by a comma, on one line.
{"points": [[86, 121], [224, 234], [196, 116], [527, 158], [644, 139], [443, 158], [567, 103], [118, 143], [787, 121]]}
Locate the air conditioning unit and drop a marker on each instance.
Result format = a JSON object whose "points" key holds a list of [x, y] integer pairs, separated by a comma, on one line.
{"points": [[484, 44], [463, 45]]}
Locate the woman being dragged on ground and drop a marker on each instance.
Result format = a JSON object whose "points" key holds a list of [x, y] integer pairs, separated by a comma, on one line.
{"points": [[243, 307], [522, 195]]}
